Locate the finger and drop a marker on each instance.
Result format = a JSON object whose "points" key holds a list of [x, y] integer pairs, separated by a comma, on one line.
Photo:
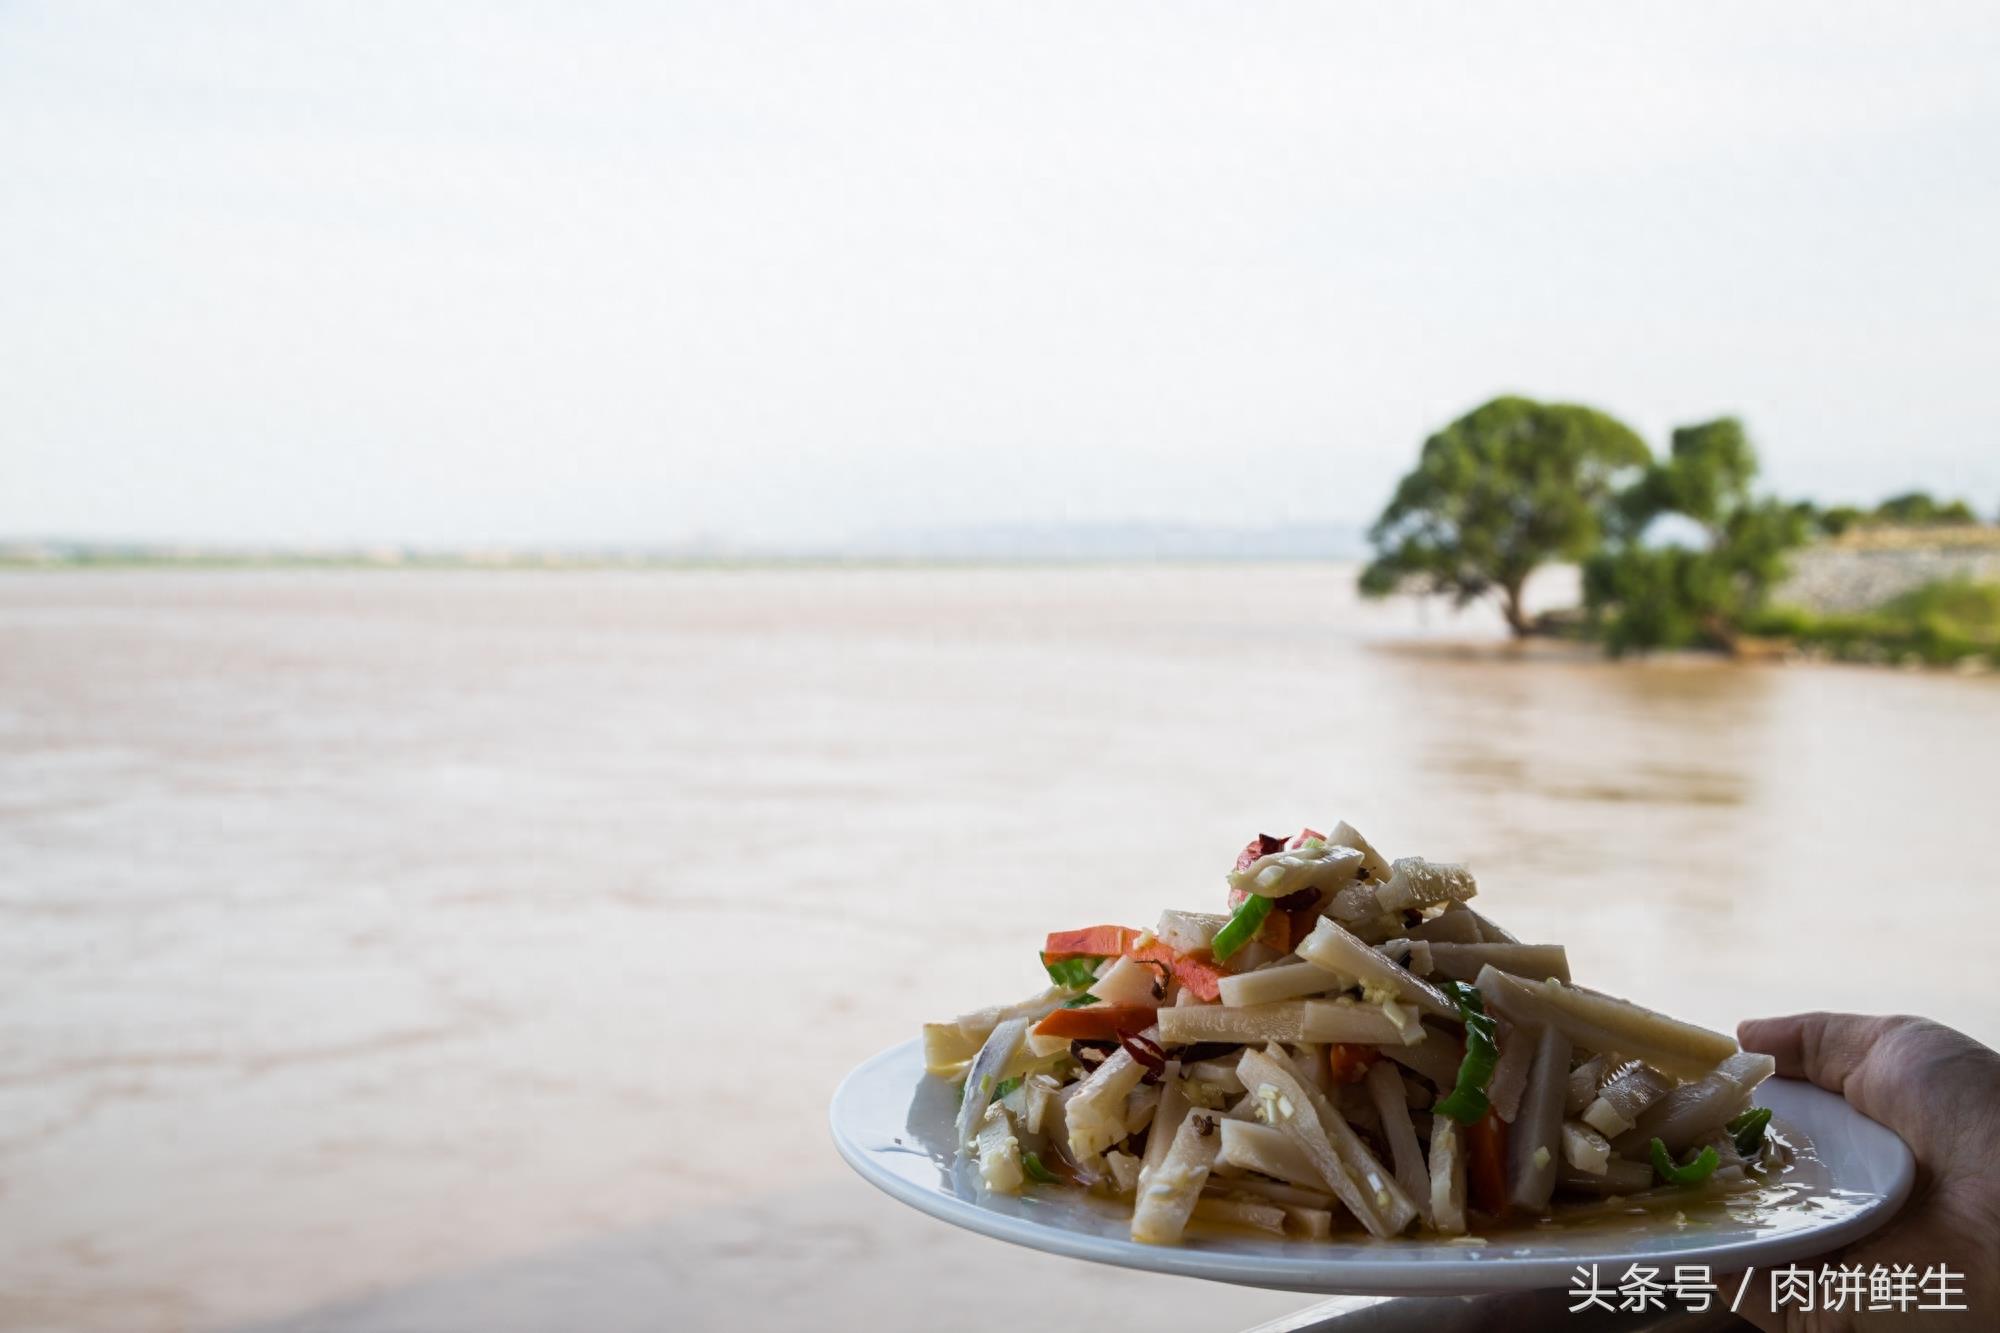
{"points": [[1825, 1048], [1932, 1085]]}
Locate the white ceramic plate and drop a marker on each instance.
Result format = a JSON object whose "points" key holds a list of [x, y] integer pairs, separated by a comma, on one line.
{"points": [[893, 1124]]}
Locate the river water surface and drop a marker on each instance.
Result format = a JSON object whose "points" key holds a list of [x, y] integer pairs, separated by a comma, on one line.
{"points": [[479, 950]]}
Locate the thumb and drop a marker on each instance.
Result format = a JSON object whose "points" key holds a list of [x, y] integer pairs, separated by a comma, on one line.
{"points": [[1904, 1072], [1828, 1049]]}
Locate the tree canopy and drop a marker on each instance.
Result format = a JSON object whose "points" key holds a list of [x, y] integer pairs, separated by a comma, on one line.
{"points": [[1643, 594], [1507, 487], [1705, 476], [1914, 509]]}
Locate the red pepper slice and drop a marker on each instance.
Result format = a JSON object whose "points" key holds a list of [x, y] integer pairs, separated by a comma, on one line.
{"points": [[1261, 845], [1281, 931], [1101, 1022], [1349, 1061], [1201, 975], [1090, 942], [1486, 1164]]}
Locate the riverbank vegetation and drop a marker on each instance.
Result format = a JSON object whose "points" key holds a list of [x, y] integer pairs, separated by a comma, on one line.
{"points": [[1676, 552], [1505, 489], [1946, 623], [1916, 509]]}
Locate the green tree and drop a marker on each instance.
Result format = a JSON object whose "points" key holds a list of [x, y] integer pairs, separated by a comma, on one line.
{"points": [[1921, 509], [1641, 593], [1913, 509], [1505, 488]]}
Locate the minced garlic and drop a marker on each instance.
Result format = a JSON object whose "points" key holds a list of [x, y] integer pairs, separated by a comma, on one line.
{"points": [[1272, 1105]]}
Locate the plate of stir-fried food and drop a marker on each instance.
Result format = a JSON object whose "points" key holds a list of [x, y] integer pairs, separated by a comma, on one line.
{"points": [[1348, 1077]]}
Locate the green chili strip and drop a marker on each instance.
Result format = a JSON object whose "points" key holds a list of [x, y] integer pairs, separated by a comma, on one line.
{"points": [[1467, 1102], [1036, 1171], [1748, 1130], [1700, 1169], [1075, 973], [1244, 923]]}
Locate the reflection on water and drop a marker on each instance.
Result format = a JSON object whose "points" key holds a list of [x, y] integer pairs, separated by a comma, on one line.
{"points": [[368, 928]]}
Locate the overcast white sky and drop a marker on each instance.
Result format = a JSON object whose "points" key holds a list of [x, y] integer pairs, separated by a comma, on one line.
{"points": [[604, 272]]}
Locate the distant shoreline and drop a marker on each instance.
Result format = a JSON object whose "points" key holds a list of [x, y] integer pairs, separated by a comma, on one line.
{"points": [[1027, 544], [10, 563]]}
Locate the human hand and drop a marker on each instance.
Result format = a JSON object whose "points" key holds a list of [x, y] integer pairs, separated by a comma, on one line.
{"points": [[1940, 1090]]}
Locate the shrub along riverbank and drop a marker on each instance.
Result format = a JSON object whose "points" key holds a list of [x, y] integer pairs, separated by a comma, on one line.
{"points": [[1677, 551], [1939, 624]]}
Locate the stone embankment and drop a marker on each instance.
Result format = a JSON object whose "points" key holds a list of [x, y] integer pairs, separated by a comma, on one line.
{"points": [[1865, 569]]}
